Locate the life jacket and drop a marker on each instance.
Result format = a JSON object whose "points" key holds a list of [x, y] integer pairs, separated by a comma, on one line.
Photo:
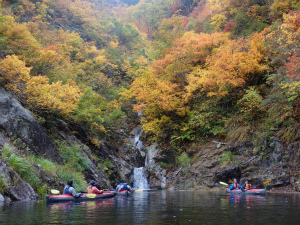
{"points": [[66, 190], [90, 190], [235, 185], [248, 186], [124, 188]]}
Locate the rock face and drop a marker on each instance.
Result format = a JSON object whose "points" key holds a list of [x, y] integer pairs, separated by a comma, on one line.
{"points": [[278, 163], [157, 176], [17, 188], [16, 120], [107, 163]]}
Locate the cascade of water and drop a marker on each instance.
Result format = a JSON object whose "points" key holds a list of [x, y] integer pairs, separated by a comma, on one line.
{"points": [[139, 176], [139, 179]]}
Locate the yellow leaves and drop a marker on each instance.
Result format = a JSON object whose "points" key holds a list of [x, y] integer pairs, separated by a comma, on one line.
{"points": [[55, 96], [14, 72], [157, 125], [218, 6], [157, 94], [114, 44], [218, 22]]}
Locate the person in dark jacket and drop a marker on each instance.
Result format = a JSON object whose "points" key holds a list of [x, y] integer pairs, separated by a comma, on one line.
{"points": [[246, 186], [69, 189], [123, 186]]}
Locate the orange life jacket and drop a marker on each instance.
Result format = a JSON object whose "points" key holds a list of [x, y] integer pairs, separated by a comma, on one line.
{"points": [[235, 185], [248, 186]]}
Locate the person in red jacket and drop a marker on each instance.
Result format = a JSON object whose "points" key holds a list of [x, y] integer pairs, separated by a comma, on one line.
{"points": [[91, 189]]}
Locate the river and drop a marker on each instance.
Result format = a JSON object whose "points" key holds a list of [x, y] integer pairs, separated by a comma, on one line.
{"points": [[161, 207]]}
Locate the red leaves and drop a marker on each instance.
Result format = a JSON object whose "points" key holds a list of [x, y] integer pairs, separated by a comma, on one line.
{"points": [[229, 27], [293, 67]]}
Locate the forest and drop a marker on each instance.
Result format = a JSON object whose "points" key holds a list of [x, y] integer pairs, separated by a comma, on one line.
{"points": [[196, 70]]}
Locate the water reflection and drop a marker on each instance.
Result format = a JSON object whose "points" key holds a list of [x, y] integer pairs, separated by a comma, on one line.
{"points": [[161, 207]]}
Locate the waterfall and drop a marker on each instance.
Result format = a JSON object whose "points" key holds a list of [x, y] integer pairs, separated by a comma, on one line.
{"points": [[139, 175], [139, 179]]}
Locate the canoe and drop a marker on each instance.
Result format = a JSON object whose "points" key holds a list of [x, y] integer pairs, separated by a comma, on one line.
{"points": [[124, 193], [251, 191], [68, 198]]}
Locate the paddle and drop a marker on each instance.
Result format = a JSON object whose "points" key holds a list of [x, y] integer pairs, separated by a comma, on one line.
{"points": [[266, 182], [54, 192], [90, 195], [138, 191], [223, 183]]}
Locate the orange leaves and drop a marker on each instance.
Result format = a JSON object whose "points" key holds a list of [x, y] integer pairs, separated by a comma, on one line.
{"points": [[188, 50], [230, 66]]}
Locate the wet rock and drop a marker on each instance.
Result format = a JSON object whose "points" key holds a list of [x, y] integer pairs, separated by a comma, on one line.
{"points": [[17, 121]]}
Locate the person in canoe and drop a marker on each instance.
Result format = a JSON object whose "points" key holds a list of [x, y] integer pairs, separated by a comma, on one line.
{"points": [[91, 189], [246, 186], [70, 190], [123, 186], [235, 185]]}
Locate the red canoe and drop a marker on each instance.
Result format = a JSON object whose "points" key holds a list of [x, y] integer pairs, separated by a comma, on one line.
{"points": [[67, 198]]}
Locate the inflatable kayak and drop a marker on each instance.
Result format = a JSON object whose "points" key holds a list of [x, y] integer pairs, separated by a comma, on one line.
{"points": [[67, 198], [251, 191], [124, 193]]}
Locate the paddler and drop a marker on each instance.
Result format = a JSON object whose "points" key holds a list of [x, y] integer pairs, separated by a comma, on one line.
{"points": [[70, 190], [91, 189], [235, 185], [246, 186], [123, 186]]}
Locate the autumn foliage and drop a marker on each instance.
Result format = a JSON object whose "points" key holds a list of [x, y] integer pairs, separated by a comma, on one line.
{"points": [[192, 68]]}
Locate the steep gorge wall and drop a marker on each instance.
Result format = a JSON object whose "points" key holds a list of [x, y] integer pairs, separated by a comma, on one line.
{"points": [[25, 136]]}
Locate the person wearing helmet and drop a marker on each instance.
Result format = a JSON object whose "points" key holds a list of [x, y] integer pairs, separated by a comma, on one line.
{"points": [[91, 189], [70, 190], [123, 186], [235, 185]]}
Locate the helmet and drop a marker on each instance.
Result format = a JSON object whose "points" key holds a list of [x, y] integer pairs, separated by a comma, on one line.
{"points": [[234, 180], [93, 183]]}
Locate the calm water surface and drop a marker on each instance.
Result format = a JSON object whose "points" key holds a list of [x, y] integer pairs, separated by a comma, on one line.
{"points": [[161, 207]]}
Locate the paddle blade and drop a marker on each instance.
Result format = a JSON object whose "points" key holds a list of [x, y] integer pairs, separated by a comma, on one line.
{"points": [[54, 192], [90, 195], [223, 183], [138, 191], [268, 181]]}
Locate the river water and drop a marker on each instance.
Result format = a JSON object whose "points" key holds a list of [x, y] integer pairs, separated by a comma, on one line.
{"points": [[161, 207]]}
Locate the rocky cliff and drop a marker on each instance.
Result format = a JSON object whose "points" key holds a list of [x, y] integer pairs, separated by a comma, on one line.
{"points": [[28, 151], [278, 162]]}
